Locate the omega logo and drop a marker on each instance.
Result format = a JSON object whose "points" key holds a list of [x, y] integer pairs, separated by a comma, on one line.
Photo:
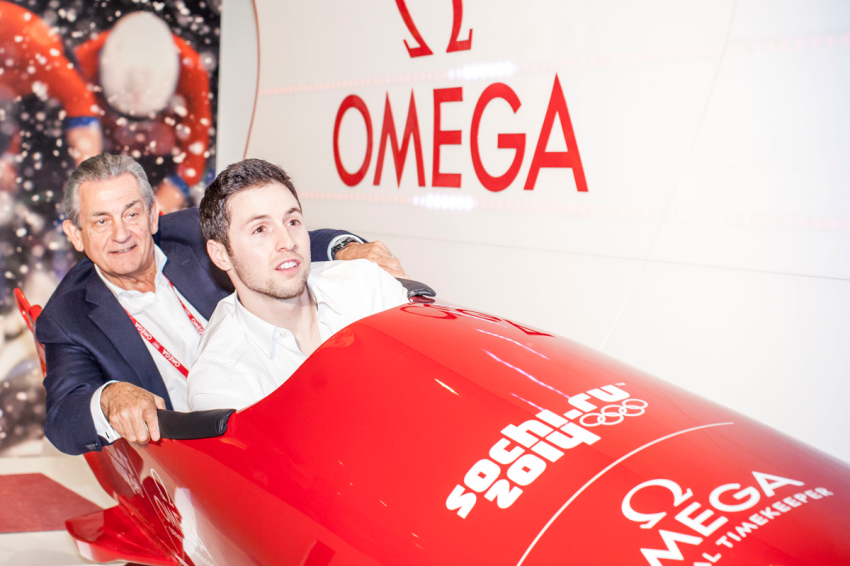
{"points": [[556, 110], [727, 498], [422, 48]]}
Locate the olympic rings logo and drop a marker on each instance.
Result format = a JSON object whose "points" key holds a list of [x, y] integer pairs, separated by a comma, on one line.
{"points": [[615, 414]]}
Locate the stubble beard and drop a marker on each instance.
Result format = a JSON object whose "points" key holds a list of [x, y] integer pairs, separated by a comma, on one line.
{"points": [[267, 287]]}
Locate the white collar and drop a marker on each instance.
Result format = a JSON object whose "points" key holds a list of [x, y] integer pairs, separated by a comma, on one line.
{"points": [[263, 333], [132, 300]]}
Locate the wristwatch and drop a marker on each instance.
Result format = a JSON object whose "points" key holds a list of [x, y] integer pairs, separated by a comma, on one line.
{"points": [[343, 241]]}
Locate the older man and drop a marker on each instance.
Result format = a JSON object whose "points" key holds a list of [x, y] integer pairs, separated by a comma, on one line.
{"points": [[121, 330], [283, 307]]}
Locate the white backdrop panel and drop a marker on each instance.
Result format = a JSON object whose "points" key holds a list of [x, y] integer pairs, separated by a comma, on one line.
{"points": [[763, 344], [711, 246], [766, 187], [237, 80]]}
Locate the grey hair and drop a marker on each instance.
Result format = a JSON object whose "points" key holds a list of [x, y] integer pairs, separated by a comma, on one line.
{"points": [[103, 167]]}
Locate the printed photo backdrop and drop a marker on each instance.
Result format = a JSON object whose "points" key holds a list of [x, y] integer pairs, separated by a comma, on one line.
{"points": [[125, 76]]}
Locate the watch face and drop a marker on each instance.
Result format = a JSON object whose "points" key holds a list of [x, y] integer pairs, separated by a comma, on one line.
{"points": [[341, 244]]}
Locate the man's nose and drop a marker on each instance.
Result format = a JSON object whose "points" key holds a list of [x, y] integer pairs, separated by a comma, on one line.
{"points": [[285, 241], [120, 233]]}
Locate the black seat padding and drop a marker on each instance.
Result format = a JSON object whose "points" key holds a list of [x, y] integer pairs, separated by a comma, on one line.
{"points": [[415, 288], [190, 426]]}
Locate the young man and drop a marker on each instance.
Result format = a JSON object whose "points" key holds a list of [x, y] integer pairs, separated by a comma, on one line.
{"points": [[283, 308], [122, 328]]}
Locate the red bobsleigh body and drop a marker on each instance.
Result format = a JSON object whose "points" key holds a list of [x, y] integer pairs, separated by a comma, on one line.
{"points": [[431, 435]]}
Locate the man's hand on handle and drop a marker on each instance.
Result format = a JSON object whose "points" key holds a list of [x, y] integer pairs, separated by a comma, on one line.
{"points": [[131, 411], [376, 252]]}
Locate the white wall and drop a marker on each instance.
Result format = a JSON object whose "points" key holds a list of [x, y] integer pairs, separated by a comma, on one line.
{"points": [[711, 247], [237, 80]]}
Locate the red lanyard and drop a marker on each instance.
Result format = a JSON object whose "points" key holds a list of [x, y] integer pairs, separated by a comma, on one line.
{"points": [[159, 347], [192, 318]]}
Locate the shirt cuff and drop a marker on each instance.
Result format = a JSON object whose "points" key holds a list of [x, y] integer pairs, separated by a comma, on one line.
{"points": [[337, 240], [101, 425]]}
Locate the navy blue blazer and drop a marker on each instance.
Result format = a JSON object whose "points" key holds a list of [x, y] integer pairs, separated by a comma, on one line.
{"points": [[89, 339]]}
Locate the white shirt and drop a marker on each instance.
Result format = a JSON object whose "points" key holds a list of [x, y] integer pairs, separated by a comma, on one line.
{"points": [[161, 315], [243, 358]]}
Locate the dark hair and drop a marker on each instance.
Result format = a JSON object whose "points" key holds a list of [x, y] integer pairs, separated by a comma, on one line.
{"points": [[247, 174]]}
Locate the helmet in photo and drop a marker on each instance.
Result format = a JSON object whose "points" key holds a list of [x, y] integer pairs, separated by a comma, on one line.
{"points": [[139, 65]]}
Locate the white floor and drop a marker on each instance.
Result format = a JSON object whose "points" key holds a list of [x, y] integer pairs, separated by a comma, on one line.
{"points": [[51, 548]]}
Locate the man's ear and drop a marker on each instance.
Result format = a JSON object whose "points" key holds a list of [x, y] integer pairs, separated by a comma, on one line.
{"points": [[219, 256], [154, 217], [74, 235]]}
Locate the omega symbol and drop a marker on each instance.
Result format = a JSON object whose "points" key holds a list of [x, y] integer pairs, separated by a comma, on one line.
{"points": [[422, 48]]}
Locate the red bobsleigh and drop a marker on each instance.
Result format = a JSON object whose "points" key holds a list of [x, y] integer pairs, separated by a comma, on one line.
{"points": [[434, 435]]}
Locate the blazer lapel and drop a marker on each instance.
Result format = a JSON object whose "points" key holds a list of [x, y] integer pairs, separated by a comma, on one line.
{"points": [[188, 275], [116, 325]]}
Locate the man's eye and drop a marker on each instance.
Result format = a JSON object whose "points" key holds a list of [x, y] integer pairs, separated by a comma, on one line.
{"points": [[100, 222], [259, 229], [294, 222]]}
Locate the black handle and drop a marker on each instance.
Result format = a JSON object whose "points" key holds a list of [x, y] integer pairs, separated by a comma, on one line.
{"points": [[416, 289], [191, 426]]}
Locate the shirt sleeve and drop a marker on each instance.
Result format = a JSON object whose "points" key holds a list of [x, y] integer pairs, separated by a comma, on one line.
{"points": [[101, 424], [391, 292], [212, 388]]}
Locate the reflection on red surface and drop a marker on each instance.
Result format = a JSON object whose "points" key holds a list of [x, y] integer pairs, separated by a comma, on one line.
{"points": [[433, 435]]}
